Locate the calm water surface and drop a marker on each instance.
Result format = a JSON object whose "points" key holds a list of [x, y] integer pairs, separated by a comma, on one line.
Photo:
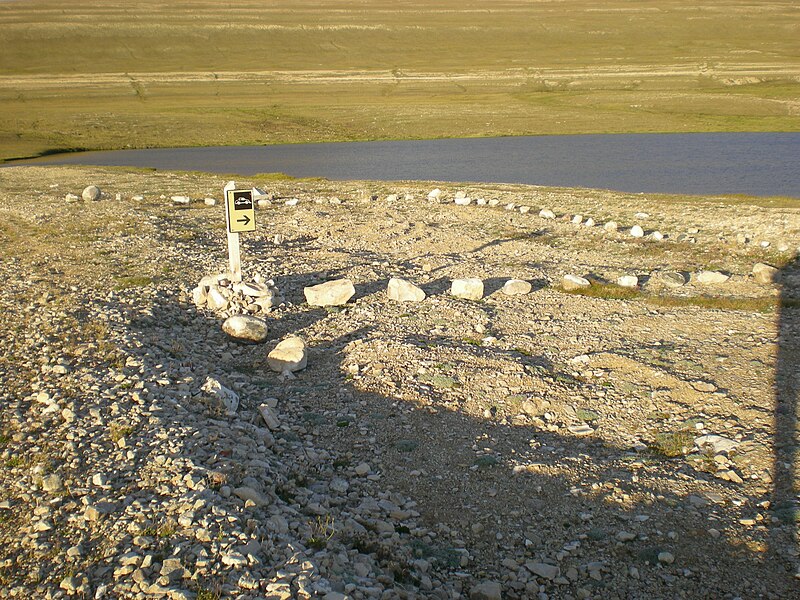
{"points": [[760, 164]]}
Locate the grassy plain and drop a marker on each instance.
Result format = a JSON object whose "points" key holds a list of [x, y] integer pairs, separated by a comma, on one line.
{"points": [[146, 73]]}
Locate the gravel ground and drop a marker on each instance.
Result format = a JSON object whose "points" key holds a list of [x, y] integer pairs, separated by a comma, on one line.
{"points": [[545, 445]]}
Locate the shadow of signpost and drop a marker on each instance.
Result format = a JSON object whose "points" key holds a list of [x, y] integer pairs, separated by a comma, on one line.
{"points": [[787, 394]]}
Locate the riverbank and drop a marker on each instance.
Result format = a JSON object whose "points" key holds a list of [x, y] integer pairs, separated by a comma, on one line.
{"points": [[548, 442]]}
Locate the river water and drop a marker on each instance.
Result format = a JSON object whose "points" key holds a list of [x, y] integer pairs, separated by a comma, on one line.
{"points": [[759, 164]]}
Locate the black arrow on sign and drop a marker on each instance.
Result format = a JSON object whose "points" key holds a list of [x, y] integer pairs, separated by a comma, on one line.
{"points": [[245, 219]]}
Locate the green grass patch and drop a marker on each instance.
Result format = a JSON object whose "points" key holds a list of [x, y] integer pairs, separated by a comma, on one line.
{"points": [[585, 414], [606, 291], [765, 304], [124, 283], [673, 444]]}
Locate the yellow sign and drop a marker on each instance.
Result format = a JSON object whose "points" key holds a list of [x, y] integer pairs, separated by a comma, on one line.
{"points": [[239, 211]]}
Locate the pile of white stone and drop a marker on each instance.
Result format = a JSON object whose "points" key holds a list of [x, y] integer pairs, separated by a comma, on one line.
{"points": [[222, 295]]}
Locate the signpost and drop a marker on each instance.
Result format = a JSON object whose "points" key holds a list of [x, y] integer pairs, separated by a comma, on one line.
{"points": [[240, 215]]}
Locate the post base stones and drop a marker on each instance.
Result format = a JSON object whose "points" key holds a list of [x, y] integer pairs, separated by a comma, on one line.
{"points": [[246, 328], [469, 289], [570, 283], [330, 293], [219, 294], [401, 290], [288, 356], [516, 287]]}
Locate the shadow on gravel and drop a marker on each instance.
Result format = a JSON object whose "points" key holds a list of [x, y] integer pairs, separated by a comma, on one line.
{"points": [[786, 505], [487, 488]]}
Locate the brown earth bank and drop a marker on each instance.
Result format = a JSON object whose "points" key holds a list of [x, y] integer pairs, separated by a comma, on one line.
{"points": [[609, 442]]}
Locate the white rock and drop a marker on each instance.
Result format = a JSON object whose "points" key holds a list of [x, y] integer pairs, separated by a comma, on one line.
{"points": [[494, 202], [656, 236], [577, 219], [461, 194], [524, 210], [546, 213], [671, 279], [292, 202], [215, 299], [181, 199], [227, 397], [580, 430], [401, 290], [481, 201], [391, 198], [589, 222], [666, 557], [764, 273], [71, 198], [573, 282], [247, 493], [434, 194], [330, 293], [463, 201], [469, 289], [628, 281], [641, 215], [717, 443], [510, 206], [516, 287], [210, 201], [288, 356], [91, 192], [611, 226], [255, 289], [52, 483], [637, 231], [711, 277], [246, 328]]}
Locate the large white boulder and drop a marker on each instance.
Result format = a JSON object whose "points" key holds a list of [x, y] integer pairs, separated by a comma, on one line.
{"points": [[401, 290], [288, 356], [469, 289], [330, 293], [246, 328]]}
